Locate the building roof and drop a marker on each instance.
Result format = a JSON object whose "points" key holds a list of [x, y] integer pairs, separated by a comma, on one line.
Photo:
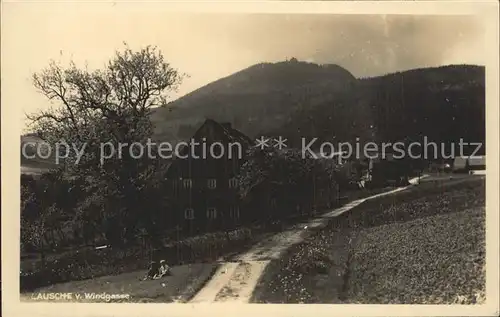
{"points": [[221, 130], [461, 161], [230, 133], [224, 130], [477, 160], [31, 170]]}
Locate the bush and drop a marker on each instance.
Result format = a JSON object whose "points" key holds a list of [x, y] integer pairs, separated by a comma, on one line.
{"points": [[288, 178]]}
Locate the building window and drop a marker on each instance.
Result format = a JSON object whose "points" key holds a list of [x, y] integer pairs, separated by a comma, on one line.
{"points": [[233, 182], [189, 213], [234, 212], [321, 192], [187, 183], [176, 186], [211, 213], [212, 183], [236, 164]]}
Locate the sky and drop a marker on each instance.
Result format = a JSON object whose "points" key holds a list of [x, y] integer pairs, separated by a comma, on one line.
{"points": [[208, 46]]}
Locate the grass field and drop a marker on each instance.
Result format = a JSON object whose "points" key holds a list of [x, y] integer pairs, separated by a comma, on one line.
{"points": [[184, 282], [424, 245]]}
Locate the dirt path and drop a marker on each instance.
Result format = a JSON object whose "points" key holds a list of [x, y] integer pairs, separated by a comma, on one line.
{"points": [[235, 281]]}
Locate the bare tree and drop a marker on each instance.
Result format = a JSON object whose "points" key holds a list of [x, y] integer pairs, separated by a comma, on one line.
{"points": [[122, 94], [112, 104]]}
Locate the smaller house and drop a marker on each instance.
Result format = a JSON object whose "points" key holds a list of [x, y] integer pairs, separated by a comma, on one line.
{"points": [[385, 168], [33, 171], [460, 164], [31, 162], [440, 166], [477, 163], [469, 163]]}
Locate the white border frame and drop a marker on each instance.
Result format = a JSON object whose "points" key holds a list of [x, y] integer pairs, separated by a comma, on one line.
{"points": [[10, 171]]}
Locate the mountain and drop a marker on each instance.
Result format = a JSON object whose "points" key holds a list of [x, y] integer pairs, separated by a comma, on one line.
{"points": [[297, 99], [443, 104], [255, 99]]}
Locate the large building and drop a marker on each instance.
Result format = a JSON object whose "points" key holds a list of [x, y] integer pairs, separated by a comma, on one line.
{"points": [[202, 179]]}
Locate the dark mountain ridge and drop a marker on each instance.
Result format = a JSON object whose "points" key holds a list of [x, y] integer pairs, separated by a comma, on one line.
{"points": [[297, 99]]}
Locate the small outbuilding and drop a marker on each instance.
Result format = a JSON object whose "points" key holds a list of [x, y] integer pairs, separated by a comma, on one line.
{"points": [[469, 163]]}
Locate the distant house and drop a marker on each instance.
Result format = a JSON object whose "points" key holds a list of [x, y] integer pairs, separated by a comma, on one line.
{"points": [[477, 163], [460, 163], [440, 166], [35, 172], [385, 168], [469, 163], [202, 179], [31, 162]]}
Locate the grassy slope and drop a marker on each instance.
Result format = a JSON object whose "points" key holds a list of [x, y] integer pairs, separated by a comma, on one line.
{"points": [[377, 252], [184, 282]]}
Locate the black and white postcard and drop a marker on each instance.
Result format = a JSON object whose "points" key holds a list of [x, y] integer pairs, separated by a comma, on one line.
{"points": [[242, 153]]}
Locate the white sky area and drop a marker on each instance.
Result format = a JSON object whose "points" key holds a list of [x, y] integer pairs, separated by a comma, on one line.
{"points": [[211, 46]]}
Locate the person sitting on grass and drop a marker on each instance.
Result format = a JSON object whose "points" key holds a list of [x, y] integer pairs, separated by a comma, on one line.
{"points": [[157, 270]]}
